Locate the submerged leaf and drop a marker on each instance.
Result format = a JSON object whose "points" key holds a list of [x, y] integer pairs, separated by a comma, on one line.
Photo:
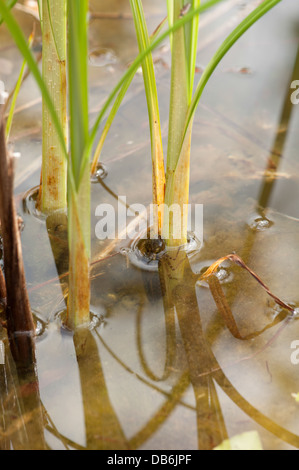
{"points": [[239, 262]]}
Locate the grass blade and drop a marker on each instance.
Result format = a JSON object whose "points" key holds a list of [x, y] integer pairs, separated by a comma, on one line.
{"points": [[78, 196], [116, 106], [78, 84], [54, 165], [55, 16], [191, 34], [16, 92], [170, 12], [10, 5], [251, 19], [178, 107], [177, 182], [22, 45], [40, 11], [153, 111], [138, 61]]}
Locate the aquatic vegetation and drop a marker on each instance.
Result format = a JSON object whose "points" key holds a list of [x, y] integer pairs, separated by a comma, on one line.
{"points": [[183, 102], [168, 339], [170, 187]]}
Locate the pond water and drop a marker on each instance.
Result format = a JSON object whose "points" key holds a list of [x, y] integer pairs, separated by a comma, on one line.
{"points": [[162, 367]]}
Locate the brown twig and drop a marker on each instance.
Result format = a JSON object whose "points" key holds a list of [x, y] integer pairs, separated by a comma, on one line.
{"points": [[20, 324], [237, 260], [227, 315], [2, 287]]}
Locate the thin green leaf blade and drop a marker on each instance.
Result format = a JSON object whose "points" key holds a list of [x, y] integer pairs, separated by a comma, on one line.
{"points": [[55, 19], [22, 45], [16, 93], [79, 119], [153, 111], [179, 89], [116, 105], [78, 84], [10, 5], [147, 65], [249, 21], [79, 235], [191, 34], [40, 11], [138, 61]]}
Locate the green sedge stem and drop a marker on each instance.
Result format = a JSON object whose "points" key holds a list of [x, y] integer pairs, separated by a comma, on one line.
{"points": [[79, 197], [54, 169]]}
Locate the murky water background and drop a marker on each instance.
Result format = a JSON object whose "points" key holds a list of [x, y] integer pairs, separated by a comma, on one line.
{"points": [[151, 374]]}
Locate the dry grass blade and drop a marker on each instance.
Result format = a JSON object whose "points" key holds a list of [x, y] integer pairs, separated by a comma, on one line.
{"points": [[237, 260], [227, 315]]}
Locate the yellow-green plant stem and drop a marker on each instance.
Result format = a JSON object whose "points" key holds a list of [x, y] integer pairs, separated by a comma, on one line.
{"points": [[78, 310], [54, 171], [154, 115], [177, 175], [178, 91], [177, 198]]}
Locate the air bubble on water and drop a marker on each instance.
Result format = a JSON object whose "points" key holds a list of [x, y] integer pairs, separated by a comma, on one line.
{"points": [[125, 251], [275, 310], [194, 245], [96, 320], [296, 313], [224, 276], [30, 204], [40, 326], [100, 174], [260, 223]]}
